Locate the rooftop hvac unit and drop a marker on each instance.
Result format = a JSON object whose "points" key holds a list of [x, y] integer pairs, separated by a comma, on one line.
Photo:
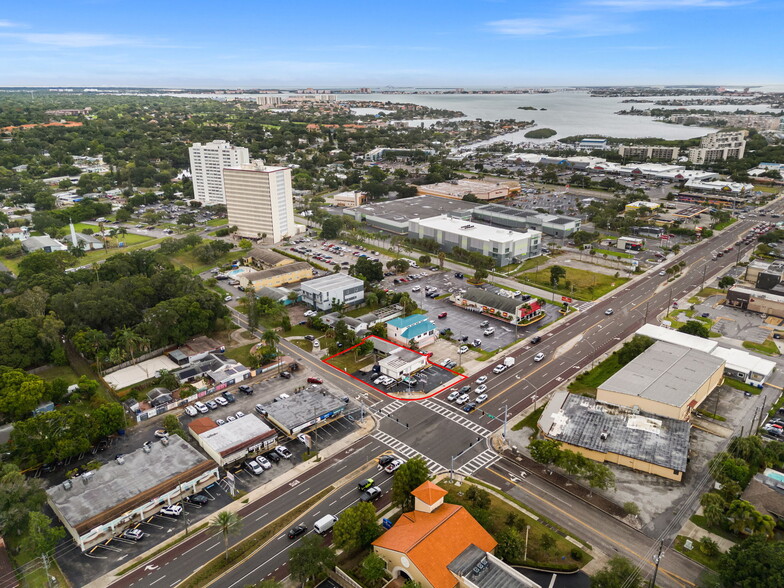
{"points": [[67, 485], [165, 441], [604, 436], [146, 447], [85, 477], [120, 459]]}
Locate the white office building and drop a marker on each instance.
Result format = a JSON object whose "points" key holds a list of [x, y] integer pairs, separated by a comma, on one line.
{"points": [[259, 200], [208, 161], [503, 245], [321, 293]]}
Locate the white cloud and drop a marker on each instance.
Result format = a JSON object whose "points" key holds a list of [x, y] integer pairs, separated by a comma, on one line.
{"points": [[577, 25], [640, 5], [7, 24], [76, 40]]}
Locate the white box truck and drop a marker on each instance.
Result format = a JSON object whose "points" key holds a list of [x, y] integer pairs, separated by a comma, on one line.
{"points": [[509, 361], [324, 524]]}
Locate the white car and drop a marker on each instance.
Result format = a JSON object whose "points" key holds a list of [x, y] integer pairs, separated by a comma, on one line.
{"points": [[481, 379], [453, 395], [221, 400], [302, 438], [480, 389], [191, 411], [609, 311], [283, 452], [416, 289], [201, 407], [662, 273], [174, 510], [394, 464], [463, 349], [228, 298], [239, 414], [517, 293], [499, 368], [310, 313], [481, 398], [539, 357], [489, 331], [463, 399], [263, 462]]}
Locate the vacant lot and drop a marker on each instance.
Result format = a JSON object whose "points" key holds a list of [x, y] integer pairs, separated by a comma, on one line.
{"points": [[579, 283]]}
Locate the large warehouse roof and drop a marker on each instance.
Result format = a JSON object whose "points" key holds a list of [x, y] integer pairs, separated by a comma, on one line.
{"points": [[584, 422], [665, 373], [116, 488]]}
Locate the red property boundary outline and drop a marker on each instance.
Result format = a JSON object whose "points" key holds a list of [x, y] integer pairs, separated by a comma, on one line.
{"points": [[439, 390]]}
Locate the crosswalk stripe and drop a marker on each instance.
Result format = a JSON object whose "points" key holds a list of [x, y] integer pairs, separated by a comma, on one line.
{"points": [[453, 416], [484, 459], [408, 451]]}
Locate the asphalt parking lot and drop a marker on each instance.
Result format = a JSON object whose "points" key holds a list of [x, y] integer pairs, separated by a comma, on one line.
{"points": [[81, 568], [465, 323], [430, 379]]}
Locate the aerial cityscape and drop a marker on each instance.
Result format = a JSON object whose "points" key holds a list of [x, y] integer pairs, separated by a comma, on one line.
{"points": [[475, 294]]}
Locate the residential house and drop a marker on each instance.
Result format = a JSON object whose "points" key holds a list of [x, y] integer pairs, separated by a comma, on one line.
{"points": [[415, 329]]}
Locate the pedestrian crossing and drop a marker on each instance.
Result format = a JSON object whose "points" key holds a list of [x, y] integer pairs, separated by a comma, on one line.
{"points": [[583, 305], [408, 452], [485, 459], [457, 418], [388, 409]]}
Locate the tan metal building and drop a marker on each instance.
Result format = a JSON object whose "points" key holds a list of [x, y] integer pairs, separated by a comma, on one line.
{"points": [[667, 380], [276, 276]]}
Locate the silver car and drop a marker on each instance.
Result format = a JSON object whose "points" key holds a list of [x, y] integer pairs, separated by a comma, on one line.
{"points": [[463, 399]]}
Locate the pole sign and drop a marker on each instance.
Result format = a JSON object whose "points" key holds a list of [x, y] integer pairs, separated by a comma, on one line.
{"points": [[565, 299]]}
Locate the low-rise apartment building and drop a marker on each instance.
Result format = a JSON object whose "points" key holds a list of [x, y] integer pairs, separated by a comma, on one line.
{"points": [[322, 293]]}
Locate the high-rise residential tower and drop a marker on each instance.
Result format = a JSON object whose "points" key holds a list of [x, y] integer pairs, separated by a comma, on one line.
{"points": [[208, 161], [259, 200]]}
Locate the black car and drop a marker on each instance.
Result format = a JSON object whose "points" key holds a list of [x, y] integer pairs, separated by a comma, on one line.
{"points": [[310, 337], [286, 375], [385, 460], [199, 499], [273, 456], [535, 340], [229, 397], [459, 275], [245, 389], [295, 532]]}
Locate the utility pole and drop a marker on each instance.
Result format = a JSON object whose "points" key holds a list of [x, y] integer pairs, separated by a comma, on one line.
{"points": [[525, 551], [506, 407], [657, 559], [704, 270]]}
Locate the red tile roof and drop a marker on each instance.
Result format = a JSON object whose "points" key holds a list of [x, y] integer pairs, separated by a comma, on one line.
{"points": [[429, 493], [198, 426]]}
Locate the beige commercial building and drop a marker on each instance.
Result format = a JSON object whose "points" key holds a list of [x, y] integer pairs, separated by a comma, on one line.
{"points": [[208, 161], [482, 189], [259, 201], [276, 276], [666, 380], [616, 434], [645, 152], [719, 146]]}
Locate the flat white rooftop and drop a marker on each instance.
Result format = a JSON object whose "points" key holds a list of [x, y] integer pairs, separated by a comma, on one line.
{"points": [[457, 226], [682, 339], [743, 361]]}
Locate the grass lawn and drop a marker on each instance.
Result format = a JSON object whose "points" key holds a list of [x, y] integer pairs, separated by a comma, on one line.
{"points": [[702, 522], [587, 382], [528, 264], [37, 577], [585, 285], [696, 554], [347, 363], [80, 227], [217, 222], [131, 238], [241, 354], [743, 386], [706, 292], [303, 344], [301, 331], [724, 225], [500, 515], [768, 347], [12, 264], [530, 421], [101, 254], [614, 253], [187, 259], [59, 371]]}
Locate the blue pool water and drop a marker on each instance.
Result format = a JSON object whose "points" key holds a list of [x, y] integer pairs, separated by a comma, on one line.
{"points": [[236, 272], [778, 476]]}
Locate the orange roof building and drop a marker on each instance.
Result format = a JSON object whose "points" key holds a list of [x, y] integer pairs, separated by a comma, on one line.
{"points": [[441, 545]]}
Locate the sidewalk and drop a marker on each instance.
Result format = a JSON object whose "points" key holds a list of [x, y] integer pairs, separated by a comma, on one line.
{"points": [[247, 500], [695, 533]]}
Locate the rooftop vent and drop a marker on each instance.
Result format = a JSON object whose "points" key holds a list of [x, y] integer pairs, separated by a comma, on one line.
{"points": [[120, 459], [67, 485], [604, 436], [85, 477], [147, 447], [165, 441]]}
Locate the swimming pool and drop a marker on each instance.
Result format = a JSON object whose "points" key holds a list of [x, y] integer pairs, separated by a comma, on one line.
{"points": [[778, 476], [238, 271]]}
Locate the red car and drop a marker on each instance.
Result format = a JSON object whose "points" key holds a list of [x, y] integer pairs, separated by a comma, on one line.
{"points": [[442, 315], [315, 381]]}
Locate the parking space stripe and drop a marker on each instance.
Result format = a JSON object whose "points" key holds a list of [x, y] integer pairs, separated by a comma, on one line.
{"points": [[409, 452]]}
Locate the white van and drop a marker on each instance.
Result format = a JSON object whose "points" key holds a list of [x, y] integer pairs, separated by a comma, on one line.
{"points": [[324, 524], [411, 263]]}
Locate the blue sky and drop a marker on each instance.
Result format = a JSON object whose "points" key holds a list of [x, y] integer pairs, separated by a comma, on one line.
{"points": [[425, 43]]}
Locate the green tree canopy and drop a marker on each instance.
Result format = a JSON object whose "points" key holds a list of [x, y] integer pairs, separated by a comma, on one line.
{"points": [[311, 559], [696, 328], [408, 476], [357, 527], [754, 563], [618, 573]]}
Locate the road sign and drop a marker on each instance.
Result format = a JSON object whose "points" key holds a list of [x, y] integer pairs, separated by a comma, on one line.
{"points": [[565, 299], [386, 523]]}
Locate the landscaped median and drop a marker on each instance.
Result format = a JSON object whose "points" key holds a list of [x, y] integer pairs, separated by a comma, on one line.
{"points": [[221, 564]]}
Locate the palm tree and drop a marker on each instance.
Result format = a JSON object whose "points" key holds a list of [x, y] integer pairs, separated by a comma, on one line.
{"points": [[441, 258], [743, 517], [131, 342], [225, 523], [271, 339]]}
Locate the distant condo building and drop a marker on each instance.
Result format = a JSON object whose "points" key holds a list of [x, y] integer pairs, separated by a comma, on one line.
{"points": [[646, 152], [207, 164], [266, 100], [259, 200], [719, 147]]}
